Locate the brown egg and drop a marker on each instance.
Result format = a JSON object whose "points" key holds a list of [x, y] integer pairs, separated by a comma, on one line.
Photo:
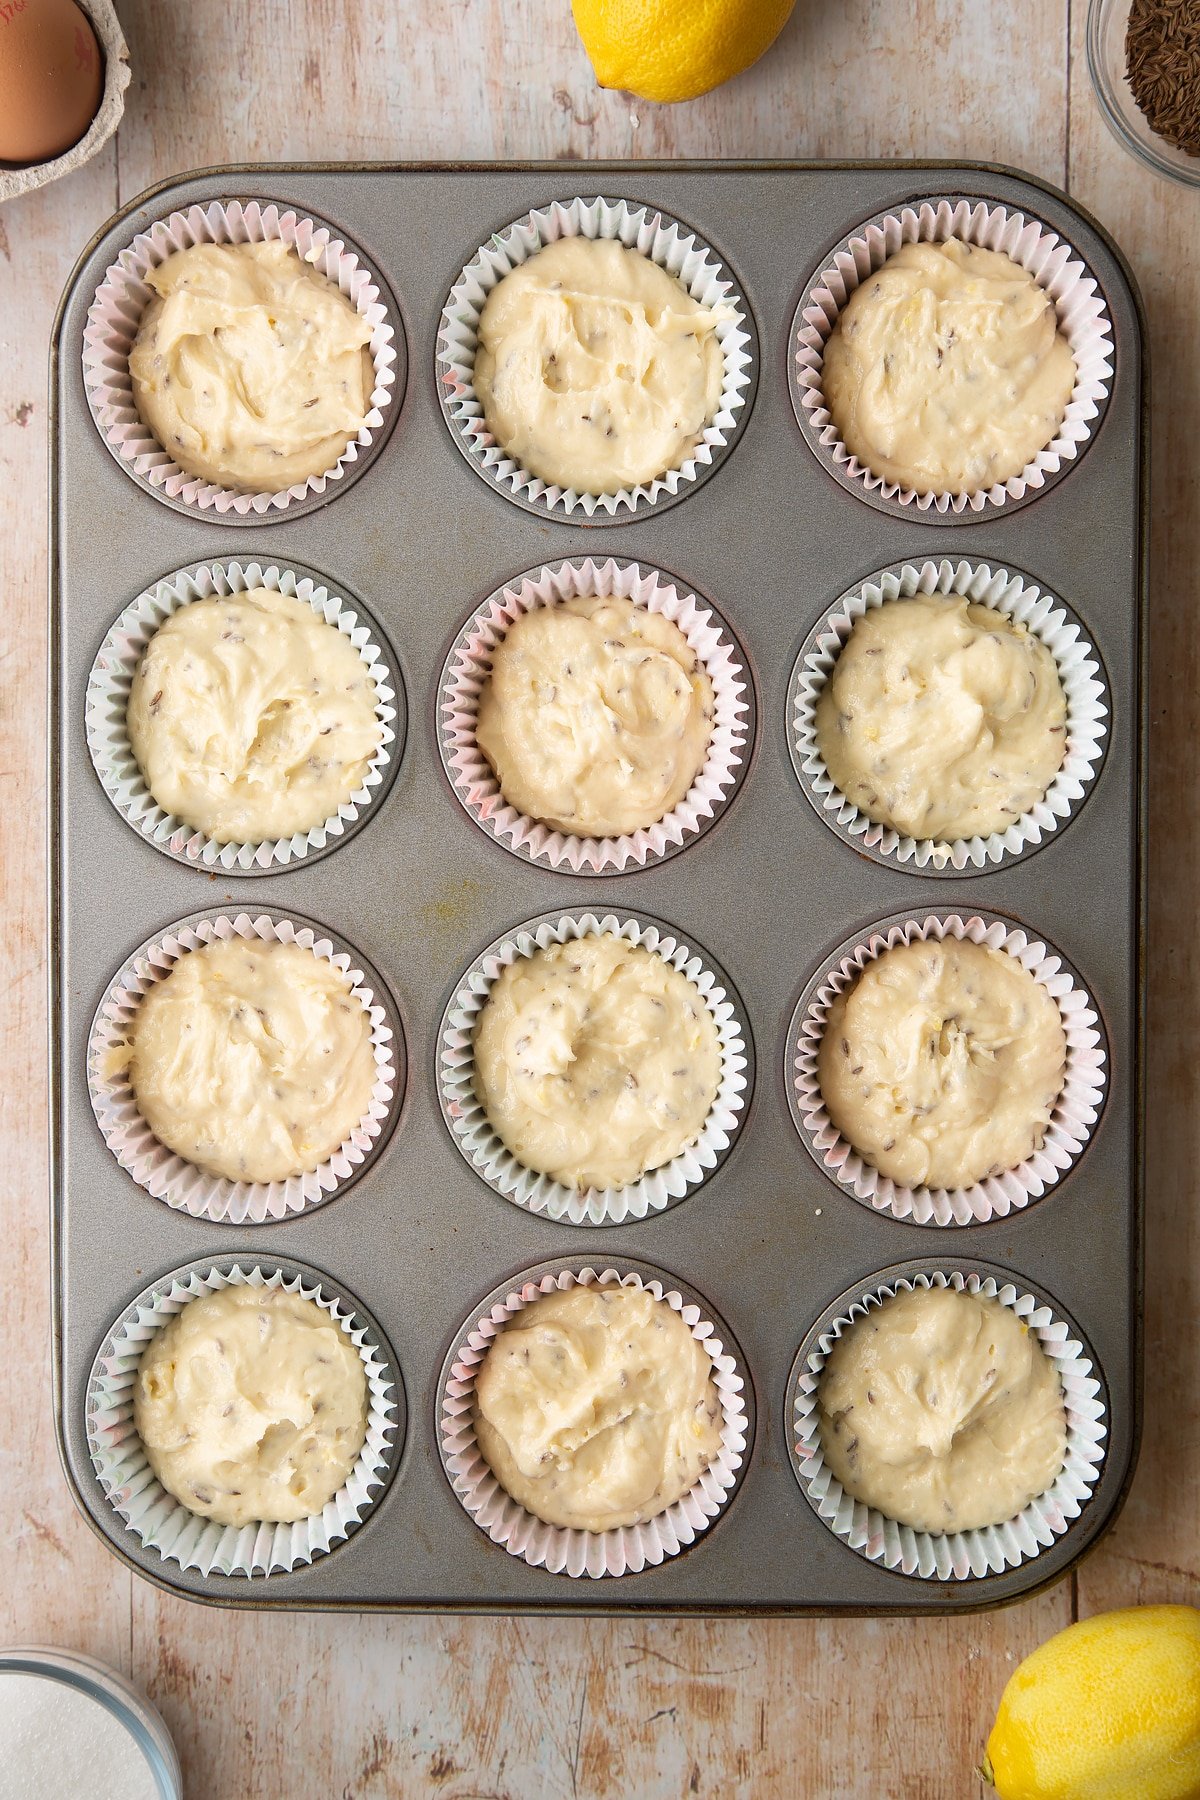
{"points": [[51, 78]]}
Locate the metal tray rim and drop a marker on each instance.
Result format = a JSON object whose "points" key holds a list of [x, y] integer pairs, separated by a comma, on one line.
{"points": [[55, 844]]}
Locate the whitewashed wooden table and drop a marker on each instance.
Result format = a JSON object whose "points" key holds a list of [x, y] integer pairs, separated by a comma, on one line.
{"points": [[341, 1709]]}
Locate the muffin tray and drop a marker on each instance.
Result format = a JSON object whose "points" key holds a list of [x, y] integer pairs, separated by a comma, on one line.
{"points": [[770, 1239]]}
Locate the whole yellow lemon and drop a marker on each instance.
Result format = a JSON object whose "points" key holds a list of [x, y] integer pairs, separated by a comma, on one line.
{"points": [[676, 49], [1108, 1709]]}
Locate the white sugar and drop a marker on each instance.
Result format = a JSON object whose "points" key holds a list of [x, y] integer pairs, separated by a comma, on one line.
{"points": [[57, 1743]]}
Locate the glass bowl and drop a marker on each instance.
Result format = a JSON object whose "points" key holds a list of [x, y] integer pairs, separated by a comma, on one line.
{"points": [[142, 1722], [1106, 27]]}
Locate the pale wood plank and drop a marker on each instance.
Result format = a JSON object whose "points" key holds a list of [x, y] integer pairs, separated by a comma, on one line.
{"points": [[509, 78], [1154, 1552], [384, 1707]]}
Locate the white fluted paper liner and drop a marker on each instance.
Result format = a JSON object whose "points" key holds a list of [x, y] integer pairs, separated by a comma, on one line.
{"points": [[490, 1157], [108, 691], [666, 242], [958, 1555], [1078, 671], [470, 665], [160, 1521], [116, 313], [622, 1551], [1075, 1111], [168, 1176], [1082, 318]]}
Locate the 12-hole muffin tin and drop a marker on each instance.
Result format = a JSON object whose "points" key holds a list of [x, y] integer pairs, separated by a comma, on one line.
{"points": [[767, 1243]]}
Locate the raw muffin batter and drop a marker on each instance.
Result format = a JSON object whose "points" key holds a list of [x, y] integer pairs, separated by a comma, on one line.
{"points": [[596, 369], [252, 1060], [251, 718], [942, 1410], [596, 716], [946, 371], [251, 1404], [942, 719], [595, 1060], [596, 1408], [250, 367], [942, 1063]]}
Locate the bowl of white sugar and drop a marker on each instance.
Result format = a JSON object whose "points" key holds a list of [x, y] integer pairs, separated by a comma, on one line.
{"points": [[69, 1725]]}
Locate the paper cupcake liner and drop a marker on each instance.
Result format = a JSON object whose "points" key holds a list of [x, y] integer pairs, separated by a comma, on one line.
{"points": [[112, 754], [135, 1493], [666, 242], [469, 664], [1045, 617], [1082, 318], [1075, 1112], [116, 313], [182, 1184], [958, 1555], [562, 1551], [490, 1157]]}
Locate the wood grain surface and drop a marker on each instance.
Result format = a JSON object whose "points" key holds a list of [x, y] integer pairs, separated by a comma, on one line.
{"points": [[341, 1709]]}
